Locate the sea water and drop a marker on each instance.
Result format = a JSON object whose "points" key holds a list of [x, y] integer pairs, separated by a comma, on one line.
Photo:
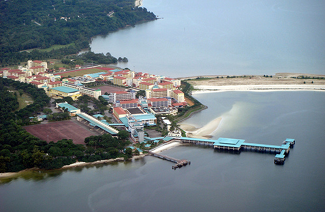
{"points": [[215, 181], [214, 37]]}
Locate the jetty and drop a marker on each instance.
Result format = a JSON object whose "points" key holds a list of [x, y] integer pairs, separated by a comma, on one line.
{"points": [[179, 163], [231, 144], [228, 144]]}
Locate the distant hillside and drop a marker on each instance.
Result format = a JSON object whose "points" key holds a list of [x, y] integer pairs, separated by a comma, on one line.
{"points": [[29, 24]]}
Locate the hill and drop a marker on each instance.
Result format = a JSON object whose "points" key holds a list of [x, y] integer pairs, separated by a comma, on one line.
{"points": [[30, 24]]}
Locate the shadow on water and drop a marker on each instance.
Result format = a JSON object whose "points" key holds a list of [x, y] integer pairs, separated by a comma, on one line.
{"points": [[38, 175], [33, 175]]}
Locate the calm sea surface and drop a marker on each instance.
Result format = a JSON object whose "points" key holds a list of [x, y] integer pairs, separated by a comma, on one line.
{"points": [[223, 37], [215, 181]]}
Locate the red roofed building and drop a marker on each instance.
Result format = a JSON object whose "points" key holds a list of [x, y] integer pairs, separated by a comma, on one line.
{"points": [[42, 79], [13, 71], [118, 113], [107, 76], [62, 69], [77, 67], [13, 78], [150, 80], [37, 84], [37, 69], [54, 84], [158, 93], [178, 95], [179, 104], [119, 80], [145, 85], [123, 73], [34, 63], [168, 85]]}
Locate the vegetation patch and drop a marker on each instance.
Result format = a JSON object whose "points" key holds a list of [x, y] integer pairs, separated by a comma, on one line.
{"points": [[55, 47]]}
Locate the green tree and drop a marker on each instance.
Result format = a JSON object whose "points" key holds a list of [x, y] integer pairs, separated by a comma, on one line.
{"points": [[123, 134]]}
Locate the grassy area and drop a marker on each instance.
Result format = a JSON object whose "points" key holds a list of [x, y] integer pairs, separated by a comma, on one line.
{"points": [[81, 72], [54, 47], [189, 102], [24, 100]]}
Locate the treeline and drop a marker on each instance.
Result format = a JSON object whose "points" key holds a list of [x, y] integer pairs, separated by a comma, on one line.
{"points": [[22, 116], [30, 24], [88, 57]]}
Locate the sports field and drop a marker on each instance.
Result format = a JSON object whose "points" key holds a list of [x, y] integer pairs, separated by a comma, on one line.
{"points": [[54, 131]]}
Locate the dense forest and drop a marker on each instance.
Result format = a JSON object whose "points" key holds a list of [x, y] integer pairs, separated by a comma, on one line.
{"points": [[30, 24], [20, 150]]}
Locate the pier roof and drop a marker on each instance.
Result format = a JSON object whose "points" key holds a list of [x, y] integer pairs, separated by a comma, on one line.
{"points": [[281, 155]]}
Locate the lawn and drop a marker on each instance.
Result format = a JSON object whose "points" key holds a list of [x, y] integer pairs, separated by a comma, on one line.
{"points": [[24, 100]]}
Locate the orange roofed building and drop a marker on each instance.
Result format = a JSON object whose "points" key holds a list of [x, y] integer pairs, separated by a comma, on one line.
{"points": [[118, 113]]}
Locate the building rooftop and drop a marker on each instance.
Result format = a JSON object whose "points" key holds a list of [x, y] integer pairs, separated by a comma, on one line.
{"points": [[35, 83], [159, 90], [121, 92], [118, 77], [141, 117], [157, 99], [149, 79], [135, 111], [129, 101], [177, 91], [68, 106], [119, 110], [55, 83], [145, 83], [65, 89], [165, 83]]}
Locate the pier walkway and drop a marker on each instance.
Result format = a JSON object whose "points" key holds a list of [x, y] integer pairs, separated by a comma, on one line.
{"points": [[179, 163], [229, 144]]}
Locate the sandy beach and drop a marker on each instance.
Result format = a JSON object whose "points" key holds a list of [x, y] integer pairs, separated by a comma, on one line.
{"points": [[277, 82], [303, 87]]}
